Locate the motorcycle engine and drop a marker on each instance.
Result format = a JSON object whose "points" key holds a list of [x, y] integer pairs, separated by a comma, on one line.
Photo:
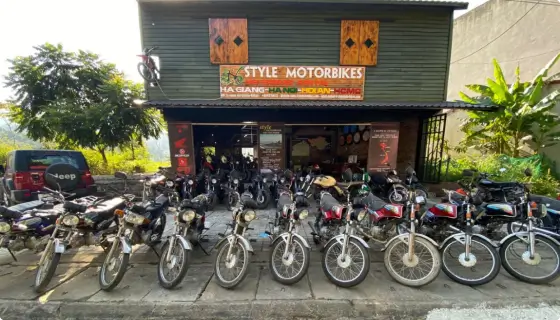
{"points": [[31, 243], [16, 245], [379, 233], [76, 241]]}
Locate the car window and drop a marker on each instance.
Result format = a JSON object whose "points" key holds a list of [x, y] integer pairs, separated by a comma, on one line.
{"points": [[44, 161], [10, 161]]}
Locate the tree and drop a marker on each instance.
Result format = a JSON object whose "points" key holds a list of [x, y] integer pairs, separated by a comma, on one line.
{"points": [[75, 99], [523, 114]]}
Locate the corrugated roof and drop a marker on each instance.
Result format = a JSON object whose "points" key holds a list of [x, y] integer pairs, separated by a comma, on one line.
{"points": [[219, 103], [441, 3]]}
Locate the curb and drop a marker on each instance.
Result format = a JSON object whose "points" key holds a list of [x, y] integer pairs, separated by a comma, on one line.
{"points": [[257, 309]]}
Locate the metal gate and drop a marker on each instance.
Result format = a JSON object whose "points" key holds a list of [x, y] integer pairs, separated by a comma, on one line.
{"points": [[430, 160]]}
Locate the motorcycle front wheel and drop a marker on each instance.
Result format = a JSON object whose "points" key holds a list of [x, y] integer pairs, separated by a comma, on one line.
{"points": [[172, 272], [397, 194], [114, 267], [347, 271], [480, 267], [226, 268], [46, 270], [515, 254], [291, 268], [145, 72], [404, 269]]}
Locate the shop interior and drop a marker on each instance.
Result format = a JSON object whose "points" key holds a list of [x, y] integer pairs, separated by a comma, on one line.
{"points": [[331, 148]]}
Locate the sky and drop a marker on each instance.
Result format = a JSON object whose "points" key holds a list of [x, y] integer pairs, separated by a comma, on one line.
{"points": [[106, 27]]}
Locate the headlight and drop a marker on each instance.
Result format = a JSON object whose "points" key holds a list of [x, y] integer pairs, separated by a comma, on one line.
{"points": [[300, 178], [70, 220], [303, 214], [362, 215], [282, 180], [191, 182], [4, 227], [134, 218], [169, 183], [236, 181], [214, 180], [188, 215], [249, 215], [390, 180], [264, 180]]}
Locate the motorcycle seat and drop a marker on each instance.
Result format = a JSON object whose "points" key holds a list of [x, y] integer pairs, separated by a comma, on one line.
{"points": [[349, 184], [10, 213], [74, 207], [106, 208], [499, 185], [328, 202], [150, 207]]}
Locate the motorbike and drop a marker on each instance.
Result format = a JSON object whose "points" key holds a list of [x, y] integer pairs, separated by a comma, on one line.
{"points": [[468, 258], [234, 249], [345, 257], [388, 185], [328, 183], [24, 226], [549, 224], [210, 186], [411, 182], [137, 223], [290, 252], [260, 192], [189, 227], [233, 184], [84, 221]]}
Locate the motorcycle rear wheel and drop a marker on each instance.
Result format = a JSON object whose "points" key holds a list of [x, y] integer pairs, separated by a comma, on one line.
{"points": [[183, 264], [507, 246], [418, 243], [449, 271], [47, 269], [104, 284], [265, 199]]}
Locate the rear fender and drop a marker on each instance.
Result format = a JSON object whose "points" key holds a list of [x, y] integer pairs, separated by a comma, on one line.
{"points": [[340, 239], [233, 237], [285, 236], [404, 238], [524, 236]]}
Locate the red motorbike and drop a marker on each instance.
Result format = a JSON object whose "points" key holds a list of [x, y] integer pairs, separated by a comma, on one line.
{"points": [[147, 67]]}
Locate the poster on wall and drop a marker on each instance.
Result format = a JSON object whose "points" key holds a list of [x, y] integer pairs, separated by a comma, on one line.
{"points": [[383, 146], [271, 146], [181, 147]]}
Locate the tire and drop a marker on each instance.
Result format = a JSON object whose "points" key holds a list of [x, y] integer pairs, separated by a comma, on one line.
{"points": [[431, 276], [305, 266], [263, 205], [222, 250], [540, 280], [183, 268], [421, 191], [363, 272], [400, 190], [41, 284], [213, 202], [496, 263], [145, 72], [110, 285]]}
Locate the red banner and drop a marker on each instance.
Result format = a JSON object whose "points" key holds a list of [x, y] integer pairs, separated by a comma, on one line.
{"points": [[181, 147]]}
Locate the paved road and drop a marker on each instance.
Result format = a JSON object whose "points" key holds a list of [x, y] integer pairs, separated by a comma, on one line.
{"points": [[540, 313], [74, 291]]}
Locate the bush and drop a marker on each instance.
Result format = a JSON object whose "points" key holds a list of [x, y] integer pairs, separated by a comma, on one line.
{"points": [[543, 183]]}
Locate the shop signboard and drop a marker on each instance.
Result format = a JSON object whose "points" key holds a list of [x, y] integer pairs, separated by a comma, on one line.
{"points": [[292, 82], [383, 146], [181, 146], [271, 146]]}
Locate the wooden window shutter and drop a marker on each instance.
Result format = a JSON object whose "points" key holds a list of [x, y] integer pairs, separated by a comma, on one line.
{"points": [[359, 42], [229, 41]]}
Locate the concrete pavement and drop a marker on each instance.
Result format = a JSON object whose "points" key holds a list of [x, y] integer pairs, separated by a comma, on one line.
{"points": [[74, 292]]}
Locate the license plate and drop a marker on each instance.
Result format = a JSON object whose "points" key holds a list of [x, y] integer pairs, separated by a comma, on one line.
{"points": [[420, 199]]}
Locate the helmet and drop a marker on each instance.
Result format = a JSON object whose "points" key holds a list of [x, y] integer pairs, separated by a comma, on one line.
{"points": [[364, 189]]}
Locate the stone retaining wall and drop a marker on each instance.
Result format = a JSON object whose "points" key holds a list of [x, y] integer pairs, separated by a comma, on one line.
{"points": [[133, 184]]}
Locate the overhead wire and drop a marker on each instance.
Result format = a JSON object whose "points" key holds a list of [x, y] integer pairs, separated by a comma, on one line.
{"points": [[516, 60]]}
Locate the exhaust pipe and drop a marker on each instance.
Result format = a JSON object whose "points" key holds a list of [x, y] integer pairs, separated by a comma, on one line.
{"points": [[543, 231]]}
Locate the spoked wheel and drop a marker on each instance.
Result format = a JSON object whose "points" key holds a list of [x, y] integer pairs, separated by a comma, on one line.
{"points": [[263, 199], [114, 267], [543, 267], [230, 269], [420, 269], [145, 72], [481, 266], [397, 195], [46, 270], [348, 270], [290, 268], [172, 272]]}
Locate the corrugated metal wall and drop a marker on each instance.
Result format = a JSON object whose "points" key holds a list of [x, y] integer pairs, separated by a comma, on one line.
{"points": [[413, 45]]}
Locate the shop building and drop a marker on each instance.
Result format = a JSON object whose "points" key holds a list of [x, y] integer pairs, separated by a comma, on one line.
{"points": [[328, 81]]}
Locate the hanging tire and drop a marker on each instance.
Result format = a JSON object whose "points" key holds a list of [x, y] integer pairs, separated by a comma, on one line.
{"points": [[145, 72], [45, 272], [391, 265], [230, 262], [108, 284], [263, 199], [276, 255], [523, 257], [182, 264], [472, 264], [363, 269]]}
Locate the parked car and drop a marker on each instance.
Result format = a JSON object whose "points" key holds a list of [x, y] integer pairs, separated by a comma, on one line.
{"points": [[26, 172]]}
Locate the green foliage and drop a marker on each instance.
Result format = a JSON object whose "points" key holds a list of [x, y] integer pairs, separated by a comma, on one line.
{"points": [[76, 100], [122, 161], [523, 115], [542, 181]]}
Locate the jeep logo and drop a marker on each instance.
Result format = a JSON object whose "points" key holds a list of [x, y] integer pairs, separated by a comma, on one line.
{"points": [[65, 176]]}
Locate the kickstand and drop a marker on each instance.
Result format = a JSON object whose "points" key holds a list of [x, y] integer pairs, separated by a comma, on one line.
{"points": [[13, 255], [154, 250]]}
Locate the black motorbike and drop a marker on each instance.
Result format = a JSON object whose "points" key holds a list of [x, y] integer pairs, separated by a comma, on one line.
{"points": [[388, 185], [137, 223], [260, 192], [234, 183], [411, 182]]}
